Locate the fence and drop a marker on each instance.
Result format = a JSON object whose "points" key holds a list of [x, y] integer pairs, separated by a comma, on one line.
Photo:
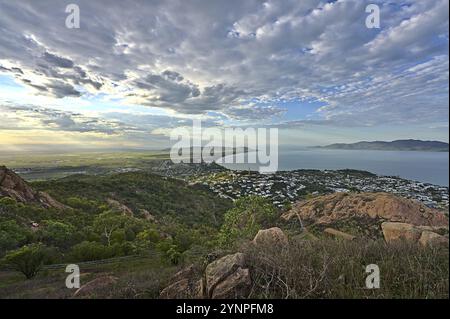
{"points": [[96, 262]]}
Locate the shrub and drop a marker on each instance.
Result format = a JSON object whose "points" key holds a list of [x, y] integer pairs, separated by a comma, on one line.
{"points": [[57, 233], [87, 251], [12, 235], [27, 259], [243, 221]]}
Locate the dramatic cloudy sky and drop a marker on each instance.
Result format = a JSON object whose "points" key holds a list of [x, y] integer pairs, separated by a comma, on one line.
{"points": [[136, 69]]}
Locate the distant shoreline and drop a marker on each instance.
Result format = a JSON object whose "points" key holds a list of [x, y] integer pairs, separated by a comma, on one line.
{"points": [[397, 145]]}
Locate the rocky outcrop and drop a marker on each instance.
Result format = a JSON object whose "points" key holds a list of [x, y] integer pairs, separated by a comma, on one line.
{"points": [[48, 201], [417, 234], [377, 207], [147, 216], [400, 231], [235, 286], [271, 237], [226, 277], [184, 284], [119, 207], [13, 186], [429, 238], [92, 286]]}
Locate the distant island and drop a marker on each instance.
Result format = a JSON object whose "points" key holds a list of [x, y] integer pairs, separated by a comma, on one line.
{"points": [[397, 145]]}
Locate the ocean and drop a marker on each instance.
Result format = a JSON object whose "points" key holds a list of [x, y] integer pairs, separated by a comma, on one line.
{"points": [[429, 167]]}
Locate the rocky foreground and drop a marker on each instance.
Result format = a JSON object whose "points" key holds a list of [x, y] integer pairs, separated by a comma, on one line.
{"points": [[397, 219]]}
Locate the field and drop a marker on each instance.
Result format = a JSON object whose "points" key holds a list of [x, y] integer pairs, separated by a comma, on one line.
{"points": [[52, 166]]}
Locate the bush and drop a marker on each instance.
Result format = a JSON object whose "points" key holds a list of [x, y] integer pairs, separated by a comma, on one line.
{"points": [[57, 233], [243, 221], [88, 251], [12, 235], [27, 259]]}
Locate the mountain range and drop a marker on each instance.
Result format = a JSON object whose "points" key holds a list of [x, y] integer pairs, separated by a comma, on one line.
{"points": [[397, 145]]}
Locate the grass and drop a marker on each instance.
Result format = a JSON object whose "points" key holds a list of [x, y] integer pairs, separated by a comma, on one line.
{"points": [[336, 269], [142, 278]]}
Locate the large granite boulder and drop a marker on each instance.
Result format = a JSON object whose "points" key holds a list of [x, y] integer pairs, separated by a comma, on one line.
{"points": [[272, 237], [224, 278], [423, 235], [234, 286], [400, 231], [218, 271], [184, 284], [429, 238]]}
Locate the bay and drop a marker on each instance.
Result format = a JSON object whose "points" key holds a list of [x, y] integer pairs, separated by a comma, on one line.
{"points": [[428, 167]]}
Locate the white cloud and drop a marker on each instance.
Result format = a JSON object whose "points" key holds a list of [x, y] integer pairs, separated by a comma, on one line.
{"points": [[197, 56]]}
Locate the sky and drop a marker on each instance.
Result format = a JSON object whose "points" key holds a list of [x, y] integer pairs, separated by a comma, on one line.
{"points": [[135, 70]]}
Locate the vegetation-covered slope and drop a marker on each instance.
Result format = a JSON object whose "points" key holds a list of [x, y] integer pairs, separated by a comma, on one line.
{"points": [[160, 196]]}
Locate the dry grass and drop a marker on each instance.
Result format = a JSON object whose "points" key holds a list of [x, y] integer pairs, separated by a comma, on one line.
{"points": [[336, 269]]}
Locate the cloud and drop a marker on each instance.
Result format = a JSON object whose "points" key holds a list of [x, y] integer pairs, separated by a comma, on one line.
{"points": [[28, 117], [197, 57]]}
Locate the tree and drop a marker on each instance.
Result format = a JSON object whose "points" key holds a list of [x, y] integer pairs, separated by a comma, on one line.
{"points": [[57, 233], [244, 220], [108, 222], [27, 259], [12, 235]]}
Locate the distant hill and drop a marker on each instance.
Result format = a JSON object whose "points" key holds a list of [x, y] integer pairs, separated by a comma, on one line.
{"points": [[13, 186], [398, 145]]}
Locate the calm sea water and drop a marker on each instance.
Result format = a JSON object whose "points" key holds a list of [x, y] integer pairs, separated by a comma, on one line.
{"points": [[430, 167]]}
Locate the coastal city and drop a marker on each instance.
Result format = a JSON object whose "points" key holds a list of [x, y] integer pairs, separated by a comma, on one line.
{"points": [[287, 187]]}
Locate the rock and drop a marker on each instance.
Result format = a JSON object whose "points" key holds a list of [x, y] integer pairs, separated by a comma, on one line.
{"points": [[184, 284], [13, 186], [49, 201], [272, 237], [182, 289], [219, 269], [93, 285], [235, 286], [338, 234], [336, 207], [429, 238], [226, 277], [119, 207], [148, 216], [400, 231]]}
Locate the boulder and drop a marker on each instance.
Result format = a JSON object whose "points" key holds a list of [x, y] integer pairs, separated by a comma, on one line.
{"points": [[373, 207], [220, 269], [429, 238], [400, 231], [182, 289], [235, 286], [93, 285], [184, 284], [272, 237]]}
